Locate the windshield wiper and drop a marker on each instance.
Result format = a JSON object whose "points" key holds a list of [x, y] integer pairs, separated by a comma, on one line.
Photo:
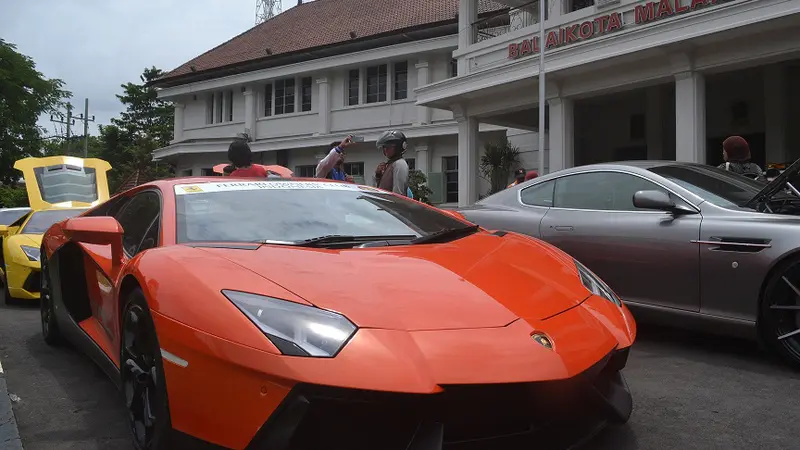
{"points": [[446, 235], [341, 238]]}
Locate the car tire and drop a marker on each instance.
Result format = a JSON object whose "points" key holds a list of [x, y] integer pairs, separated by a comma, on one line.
{"points": [[50, 331], [779, 315], [142, 377]]}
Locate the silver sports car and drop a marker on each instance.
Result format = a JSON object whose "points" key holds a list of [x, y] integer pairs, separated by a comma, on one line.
{"points": [[683, 244]]}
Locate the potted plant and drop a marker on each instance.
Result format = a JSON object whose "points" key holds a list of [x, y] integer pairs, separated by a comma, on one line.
{"points": [[497, 163]]}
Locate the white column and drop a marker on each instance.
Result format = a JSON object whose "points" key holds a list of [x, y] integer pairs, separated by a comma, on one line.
{"points": [[178, 130], [654, 129], [423, 112], [324, 105], [775, 112], [467, 160], [561, 134], [690, 117], [250, 112], [467, 15], [423, 158], [555, 9]]}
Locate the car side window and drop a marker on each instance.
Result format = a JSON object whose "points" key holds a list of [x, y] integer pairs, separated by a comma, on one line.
{"points": [[136, 218], [110, 207], [605, 191], [539, 194]]}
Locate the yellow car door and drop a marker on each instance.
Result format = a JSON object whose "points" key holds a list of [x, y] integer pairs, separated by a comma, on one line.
{"points": [[64, 181]]}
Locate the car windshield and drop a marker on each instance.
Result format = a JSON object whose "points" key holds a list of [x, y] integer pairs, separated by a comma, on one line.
{"points": [[293, 211], [720, 187], [40, 221], [9, 216]]}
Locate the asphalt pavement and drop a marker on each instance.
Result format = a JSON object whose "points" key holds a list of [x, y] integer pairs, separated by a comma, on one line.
{"points": [[691, 391]]}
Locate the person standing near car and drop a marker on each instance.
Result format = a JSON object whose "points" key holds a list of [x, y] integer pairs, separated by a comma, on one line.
{"points": [[736, 153], [332, 165], [394, 174], [241, 157], [519, 177]]}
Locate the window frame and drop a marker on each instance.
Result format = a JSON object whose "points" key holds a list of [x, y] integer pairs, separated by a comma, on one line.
{"points": [[399, 92], [159, 216], [287, 94], [445, 171], [298, 169], [381, 95], [619, 171], [537, 185], [303, 92], [360, 164], [269, 94], [353, 75]]}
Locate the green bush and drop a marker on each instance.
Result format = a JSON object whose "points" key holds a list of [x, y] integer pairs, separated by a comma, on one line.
{"points": [[419, 186], [497, 163], [12, 197]]}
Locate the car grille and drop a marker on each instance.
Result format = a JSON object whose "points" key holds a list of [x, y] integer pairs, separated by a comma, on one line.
{"points": [[33, 282], [545, 415]]}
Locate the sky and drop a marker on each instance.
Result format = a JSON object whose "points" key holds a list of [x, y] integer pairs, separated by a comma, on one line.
{"points": [[94, 46]]}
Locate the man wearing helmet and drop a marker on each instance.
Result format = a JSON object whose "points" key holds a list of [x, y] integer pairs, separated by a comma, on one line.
{"points": [[393, 175]]}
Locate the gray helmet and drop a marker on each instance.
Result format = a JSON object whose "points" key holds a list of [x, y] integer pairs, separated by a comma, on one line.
{"points": [[393, 137]]}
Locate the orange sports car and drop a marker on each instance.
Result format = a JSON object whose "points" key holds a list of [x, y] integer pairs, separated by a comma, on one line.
{"points": [[295, 314]]}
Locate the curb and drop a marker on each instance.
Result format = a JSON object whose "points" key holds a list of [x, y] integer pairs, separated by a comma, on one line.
{"points": [[9, 433]]}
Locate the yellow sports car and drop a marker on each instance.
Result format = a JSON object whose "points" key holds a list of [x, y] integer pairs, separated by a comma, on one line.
{"points": [[58, 187]]}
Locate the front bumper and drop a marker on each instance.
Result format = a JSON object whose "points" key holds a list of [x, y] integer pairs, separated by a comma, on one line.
{"points": [[24, 281], [541, 415]]}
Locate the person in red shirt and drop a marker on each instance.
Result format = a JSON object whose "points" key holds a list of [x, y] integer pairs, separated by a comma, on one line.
{"points": [[241, 157]]}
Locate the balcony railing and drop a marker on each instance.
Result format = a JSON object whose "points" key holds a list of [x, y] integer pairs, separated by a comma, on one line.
{"points": [[504, 21]]}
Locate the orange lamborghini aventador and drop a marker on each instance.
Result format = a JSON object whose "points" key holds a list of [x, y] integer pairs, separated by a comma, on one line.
{"points": [[299, 314]]}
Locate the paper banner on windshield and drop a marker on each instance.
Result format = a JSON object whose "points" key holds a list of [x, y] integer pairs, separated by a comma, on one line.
{"points": [[202, 188]]}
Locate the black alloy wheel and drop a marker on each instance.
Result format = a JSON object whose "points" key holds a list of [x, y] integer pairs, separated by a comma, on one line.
{"points": [[50, 331], [780, 312], [142, 376]]}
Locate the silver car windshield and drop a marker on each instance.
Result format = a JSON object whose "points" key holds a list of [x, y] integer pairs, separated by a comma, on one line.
{"points": [[720, 187]]}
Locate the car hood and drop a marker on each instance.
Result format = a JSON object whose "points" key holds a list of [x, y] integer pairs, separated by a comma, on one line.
{"points": [[480, 281], [32, 240]]}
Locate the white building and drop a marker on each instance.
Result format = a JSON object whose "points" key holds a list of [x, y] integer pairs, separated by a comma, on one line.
{"points": [[629, 79], [626, 80], [305, 79]]}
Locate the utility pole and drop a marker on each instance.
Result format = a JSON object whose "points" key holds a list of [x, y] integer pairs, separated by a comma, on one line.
{"points": [[85, 119], [542, 94], [69, 122]]}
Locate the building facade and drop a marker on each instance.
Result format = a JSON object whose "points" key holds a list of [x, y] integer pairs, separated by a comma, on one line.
{"points": [[292, 107], [628, 79]]}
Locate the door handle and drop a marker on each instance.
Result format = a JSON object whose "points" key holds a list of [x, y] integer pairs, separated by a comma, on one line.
{"points": [[564, 228]]}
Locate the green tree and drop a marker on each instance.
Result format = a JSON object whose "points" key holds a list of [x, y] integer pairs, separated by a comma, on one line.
{"points": [[418, 183], [145, 125], [58, 147], [25, 94]]}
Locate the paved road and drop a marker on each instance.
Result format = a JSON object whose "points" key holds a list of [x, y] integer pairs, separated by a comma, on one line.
{"points": [[691, 392]]}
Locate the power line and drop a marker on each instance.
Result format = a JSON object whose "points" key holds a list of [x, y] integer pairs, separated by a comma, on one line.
{"points": [[70, 121]]}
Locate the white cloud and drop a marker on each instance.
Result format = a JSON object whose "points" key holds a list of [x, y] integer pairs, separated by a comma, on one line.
{"points": [[97, 45]]}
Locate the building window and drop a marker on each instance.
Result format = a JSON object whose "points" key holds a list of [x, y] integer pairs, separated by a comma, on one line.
{"points": [[581, 4], [353, 86], [412, 164], [186, 172], [453, 68], [220, 107], [400, 80], [305, 94], [284, 96], [376, 84], [450, 170], [209, 172], [355, 169], [305, 171], [268, 100]]}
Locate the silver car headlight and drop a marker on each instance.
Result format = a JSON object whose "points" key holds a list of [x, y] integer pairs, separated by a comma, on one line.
{"points": [[595, 285], [295, 329], [33, 253]]}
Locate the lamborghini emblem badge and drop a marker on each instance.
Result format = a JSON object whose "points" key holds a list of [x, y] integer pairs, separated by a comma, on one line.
{"points": [[542, 340]]}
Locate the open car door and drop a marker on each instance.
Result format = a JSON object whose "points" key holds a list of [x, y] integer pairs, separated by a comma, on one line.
{"points": [[64, 181]]}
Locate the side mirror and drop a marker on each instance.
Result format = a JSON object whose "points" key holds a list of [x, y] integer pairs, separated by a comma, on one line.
{"points": [[653, 200], [98, 230]]}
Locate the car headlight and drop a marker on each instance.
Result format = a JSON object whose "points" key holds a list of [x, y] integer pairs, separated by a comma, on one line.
{"points": [[595, 285], [297, 330], [33, 253]]}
